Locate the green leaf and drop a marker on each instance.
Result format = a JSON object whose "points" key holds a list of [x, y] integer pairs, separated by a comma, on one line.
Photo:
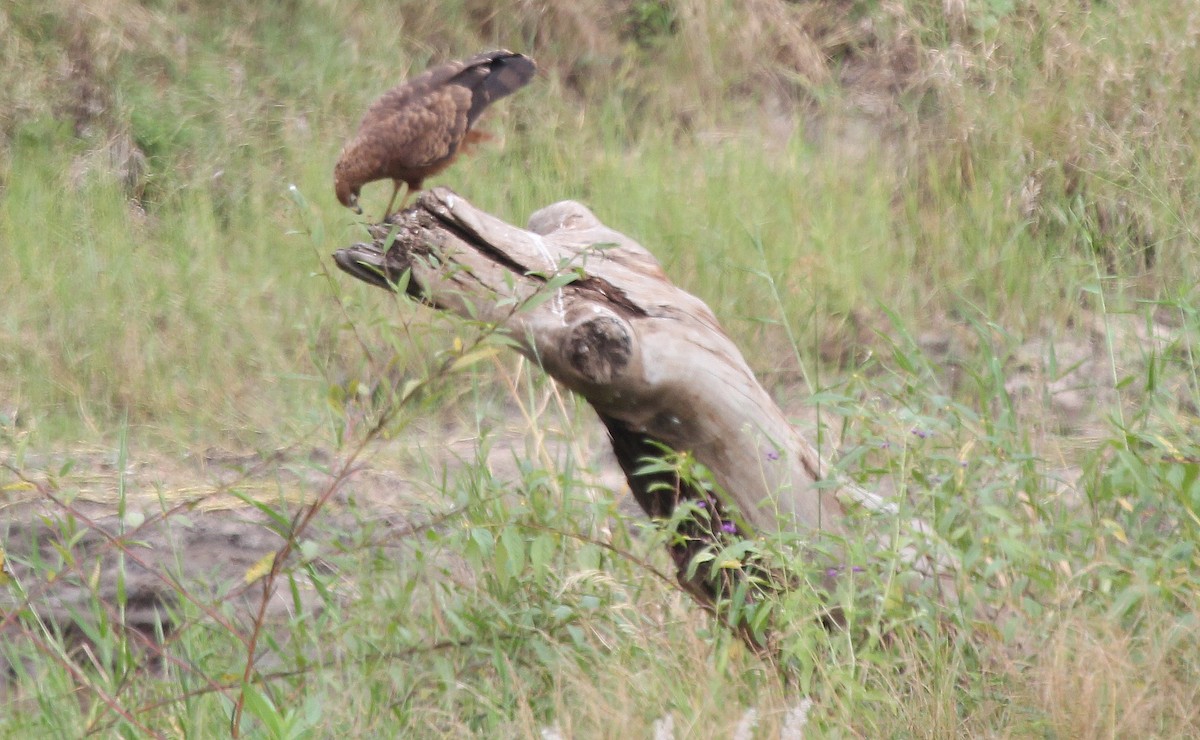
{"points": [[514, 550], [260, 707], [483, 539], [282, 522], [541, 551], [700, 559]]}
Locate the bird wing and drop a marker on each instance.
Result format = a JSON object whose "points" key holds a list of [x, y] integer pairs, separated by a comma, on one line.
{"points": [[403, 94], [495, 75], [489, 76], [423, 131]]}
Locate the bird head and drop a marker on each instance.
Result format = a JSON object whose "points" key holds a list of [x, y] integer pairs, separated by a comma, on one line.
{"points": [[347, 194]]}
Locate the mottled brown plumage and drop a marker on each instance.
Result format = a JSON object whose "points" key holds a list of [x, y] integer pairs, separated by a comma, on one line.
{"points": [[417, 128]]}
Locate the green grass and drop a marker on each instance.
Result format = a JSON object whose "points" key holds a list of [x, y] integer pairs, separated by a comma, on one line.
{"points": [[897, 219]]}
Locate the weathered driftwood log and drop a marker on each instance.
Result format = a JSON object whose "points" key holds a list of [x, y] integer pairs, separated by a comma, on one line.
{"points": [[648, 356]]}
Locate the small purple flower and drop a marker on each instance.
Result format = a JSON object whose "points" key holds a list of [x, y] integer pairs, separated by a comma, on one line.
{"points": [[729, 527], [920, 433], [836, 571], [702, 504], [772, 455], [885, 445]]}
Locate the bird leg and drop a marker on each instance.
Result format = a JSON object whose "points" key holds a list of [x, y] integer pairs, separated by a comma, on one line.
{"points": [[395, 189], [408, 191]]}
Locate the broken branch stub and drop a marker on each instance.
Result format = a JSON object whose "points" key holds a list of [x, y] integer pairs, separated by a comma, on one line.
{"points": [[596, 311]]}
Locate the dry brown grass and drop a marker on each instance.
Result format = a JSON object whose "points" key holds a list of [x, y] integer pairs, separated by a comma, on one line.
{"points": [[1094, 678]]}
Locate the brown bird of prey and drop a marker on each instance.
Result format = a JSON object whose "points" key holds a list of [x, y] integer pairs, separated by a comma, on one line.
{"points": [[417, 128]]}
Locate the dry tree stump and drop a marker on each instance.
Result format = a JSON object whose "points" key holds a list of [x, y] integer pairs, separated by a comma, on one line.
{"points": [[596, 311]]}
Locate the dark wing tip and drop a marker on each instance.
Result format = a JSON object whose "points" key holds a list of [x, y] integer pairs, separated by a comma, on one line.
{"points": [[494, 55], [493, 75], [513, 71]]}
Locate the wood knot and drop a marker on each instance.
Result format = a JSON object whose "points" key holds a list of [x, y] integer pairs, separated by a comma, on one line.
{"points": [[599, 349]]}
